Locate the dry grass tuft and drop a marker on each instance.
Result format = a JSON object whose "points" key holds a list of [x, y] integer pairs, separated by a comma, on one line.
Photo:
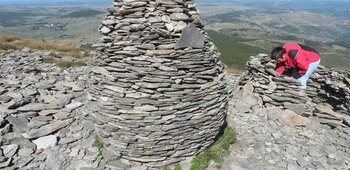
{"points": [[233, 70]]}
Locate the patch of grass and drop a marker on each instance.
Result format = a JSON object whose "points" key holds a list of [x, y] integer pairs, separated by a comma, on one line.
{"points": [[166, 167], [67, 64], [216, 152], [7, 46], [8, 38], [49, 60], [99, 144], [178, 167], [233, 70], [63, 64]]}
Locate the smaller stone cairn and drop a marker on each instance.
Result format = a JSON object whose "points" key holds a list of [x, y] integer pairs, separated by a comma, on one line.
{"points": [[326, 98]]}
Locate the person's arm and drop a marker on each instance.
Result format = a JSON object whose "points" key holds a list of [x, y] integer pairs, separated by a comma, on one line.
{"points": [[279, 68], [302, 64]]}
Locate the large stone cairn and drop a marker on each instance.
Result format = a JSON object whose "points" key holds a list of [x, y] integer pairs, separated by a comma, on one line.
{"points": [[157, 89], [327, 96]]}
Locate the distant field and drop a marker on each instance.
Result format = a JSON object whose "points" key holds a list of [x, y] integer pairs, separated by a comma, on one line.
{"points": [[340, 59], [77, 30], [82, 13], [234, 52]]}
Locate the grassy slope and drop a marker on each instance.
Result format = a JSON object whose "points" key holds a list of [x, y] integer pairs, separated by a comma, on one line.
{"points": [[233, 52]]}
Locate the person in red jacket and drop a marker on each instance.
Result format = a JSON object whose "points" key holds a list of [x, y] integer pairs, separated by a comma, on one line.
{"points": [[296, 60]]}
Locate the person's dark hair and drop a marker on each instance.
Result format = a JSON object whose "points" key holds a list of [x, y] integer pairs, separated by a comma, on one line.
{"points": [[277, 52]]}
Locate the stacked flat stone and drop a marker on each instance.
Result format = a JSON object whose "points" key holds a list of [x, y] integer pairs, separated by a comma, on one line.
{"points": [[327, 95], [332, 86], [157, 87]]}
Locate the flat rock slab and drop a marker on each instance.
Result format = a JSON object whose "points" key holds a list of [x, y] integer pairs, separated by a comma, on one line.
{"points": [[273, 113], [290, 118], [190, 37], [47, 129], [19, 123], [46, 142], [9, 150]]}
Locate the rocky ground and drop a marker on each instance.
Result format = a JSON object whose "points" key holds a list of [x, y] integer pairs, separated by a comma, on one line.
{"points": [[264, 142], [44, 125]]}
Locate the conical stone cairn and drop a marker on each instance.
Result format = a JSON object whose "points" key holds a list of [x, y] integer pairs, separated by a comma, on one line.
{"points": [[157, 88]]}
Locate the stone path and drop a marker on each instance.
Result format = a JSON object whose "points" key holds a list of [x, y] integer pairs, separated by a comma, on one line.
{"points": [[269, 144]]}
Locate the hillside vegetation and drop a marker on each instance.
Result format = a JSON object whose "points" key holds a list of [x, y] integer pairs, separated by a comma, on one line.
{"points": [[234, 53]]}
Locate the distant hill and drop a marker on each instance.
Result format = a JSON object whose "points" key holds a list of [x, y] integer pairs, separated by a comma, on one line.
{"points": [[82, 13]]}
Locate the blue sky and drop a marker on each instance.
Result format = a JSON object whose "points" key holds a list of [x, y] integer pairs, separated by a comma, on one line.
{"points": [[47, 1]]}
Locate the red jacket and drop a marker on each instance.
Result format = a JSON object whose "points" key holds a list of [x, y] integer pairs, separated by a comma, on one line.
{"points": [[297, 56]]}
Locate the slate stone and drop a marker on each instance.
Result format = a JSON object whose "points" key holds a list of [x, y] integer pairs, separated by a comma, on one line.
{"points": [[290, 118], [74, 105], [5, 99], [190, 37], [242, 107], [180, 26], [178, 16], [105, 30], [300, 109], [116, 164], [47, 129], [33, 107], [24, 161], [20, 123], [25, 152], [19, 103], [109, 22], [6, 163], [248, 89], [146, 108], [53, 161], [2, 90], [252, 100], [46, 142], [10, 150]]}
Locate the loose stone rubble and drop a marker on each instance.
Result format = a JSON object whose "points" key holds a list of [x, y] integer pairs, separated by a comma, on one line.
{"points": [[279, 126], [157, 89], [266, 142], [43, 124]]}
